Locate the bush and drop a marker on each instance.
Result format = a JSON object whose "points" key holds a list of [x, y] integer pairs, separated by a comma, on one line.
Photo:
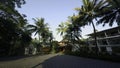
{"points": [[92, 55], [55, 46]]}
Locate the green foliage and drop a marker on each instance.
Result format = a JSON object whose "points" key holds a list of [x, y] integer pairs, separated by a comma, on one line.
{"points": [[13, 3], [45, 36], [88, 12], [12, 37], [110, 14], [62, 28], [42, 30], [70, 30], [13, 34], [8, 11], [37, 45], [92, 55], [55, 46]]}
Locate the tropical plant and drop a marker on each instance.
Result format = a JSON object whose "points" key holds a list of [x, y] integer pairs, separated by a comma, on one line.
{"points": [[69, 30], [12, 33], [62, 28], [8, 11], [38, 28], [12, 37], [42, 30], [74, 28], [111, 13], [88, 12]]}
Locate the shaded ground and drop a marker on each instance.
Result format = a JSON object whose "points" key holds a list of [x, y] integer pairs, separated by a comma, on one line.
{"points": [[27, 62], [57, 61]]}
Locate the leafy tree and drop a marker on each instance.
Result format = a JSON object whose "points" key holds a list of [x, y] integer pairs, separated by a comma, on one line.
{"points": [[13, 35], [38, 27], [111, 13], [62, 28], [13, 3], [42, 30], [74, 28], [55, 46], [69, 30], [88, 12], [8, 11]]}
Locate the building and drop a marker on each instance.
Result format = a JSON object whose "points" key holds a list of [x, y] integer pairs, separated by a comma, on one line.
{"points": [[62, 45], [65, 45], [107, 40]]}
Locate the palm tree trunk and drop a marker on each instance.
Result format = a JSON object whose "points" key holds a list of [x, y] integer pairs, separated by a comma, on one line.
{"points": [[95, 37], [39, 37], [74, 37]]}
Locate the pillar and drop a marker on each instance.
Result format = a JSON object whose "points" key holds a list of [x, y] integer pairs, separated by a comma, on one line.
{"points": [[89, 45], [98, 44], [108, 48], [118, 31]]}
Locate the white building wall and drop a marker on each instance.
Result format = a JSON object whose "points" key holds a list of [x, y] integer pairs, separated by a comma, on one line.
{"points": [[108, 39]]}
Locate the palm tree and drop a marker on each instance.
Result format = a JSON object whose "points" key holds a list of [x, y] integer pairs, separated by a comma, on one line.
{"points": [[73, 30], [42, 30], [69, 33], [69, 30], [38, 28], [46, 36], [111, 14], [12, 35], [75, 27], [8, 11], [88, 12], [62, 28], [49, 38]]}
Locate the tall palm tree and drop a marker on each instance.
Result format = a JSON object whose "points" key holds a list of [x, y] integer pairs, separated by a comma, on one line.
{"points": [[88, 12], [73, 29], [42, 30], [46, 35], [69, 30], [38, 28], [49, 38], [62, 28], [69, 33], [111, 14]]}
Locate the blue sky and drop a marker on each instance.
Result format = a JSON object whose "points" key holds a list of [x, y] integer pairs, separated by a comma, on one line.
{"points": [[54, 12]]}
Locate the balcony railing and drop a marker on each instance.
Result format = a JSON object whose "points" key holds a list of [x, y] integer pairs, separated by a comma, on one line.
{"points": [[116, 45], [101, 38]]}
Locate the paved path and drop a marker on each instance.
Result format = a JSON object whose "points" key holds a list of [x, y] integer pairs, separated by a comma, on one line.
{"points": [[57, 61], [28, 62]]}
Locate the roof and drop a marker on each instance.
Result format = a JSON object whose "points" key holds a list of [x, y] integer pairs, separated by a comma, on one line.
{"points": [[107, 30]]}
